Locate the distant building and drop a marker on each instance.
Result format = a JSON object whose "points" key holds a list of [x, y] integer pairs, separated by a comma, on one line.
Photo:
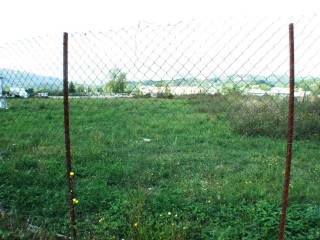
{"points": [[256, 92], [43, 94], [299, 93], [190, 90], [278, 91], [152, 90], [18, 92], [175, 90], [181, 90]]}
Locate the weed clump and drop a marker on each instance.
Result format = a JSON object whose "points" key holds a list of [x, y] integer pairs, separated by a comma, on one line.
{"points": [[262, 116], [268, 117]]}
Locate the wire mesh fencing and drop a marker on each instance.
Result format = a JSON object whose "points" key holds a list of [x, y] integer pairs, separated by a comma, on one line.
{"points": [[33, 194], [177, 131]]}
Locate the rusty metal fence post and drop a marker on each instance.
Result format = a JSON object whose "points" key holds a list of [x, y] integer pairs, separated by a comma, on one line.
{"points": [[70, 173], [290, 136]]}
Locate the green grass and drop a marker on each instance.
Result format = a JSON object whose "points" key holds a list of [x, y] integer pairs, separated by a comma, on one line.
{"points": [[195, 179]]}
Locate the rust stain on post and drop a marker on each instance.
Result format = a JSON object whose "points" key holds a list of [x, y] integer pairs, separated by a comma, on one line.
{"points": [[290, 137], [67, 136]]}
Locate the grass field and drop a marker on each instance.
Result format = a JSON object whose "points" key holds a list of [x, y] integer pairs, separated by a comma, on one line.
{"points": [[150, 169]]}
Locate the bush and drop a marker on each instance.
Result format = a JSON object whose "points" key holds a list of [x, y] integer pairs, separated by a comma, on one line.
{"points": [[261, 116], [165, 95], [268, 117], [307, 119], [148, 95]]}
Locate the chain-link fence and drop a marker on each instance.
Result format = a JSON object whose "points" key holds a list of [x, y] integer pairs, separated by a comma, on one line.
{"points": [[177, 131]]}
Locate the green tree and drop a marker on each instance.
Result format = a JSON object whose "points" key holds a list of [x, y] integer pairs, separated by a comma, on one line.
{"points": [[30, 92], [72, 88], [118, 81], [80, 88]]}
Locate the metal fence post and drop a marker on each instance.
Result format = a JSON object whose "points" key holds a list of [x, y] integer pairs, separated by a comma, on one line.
{"points": [[67, 137], [290, 137]]}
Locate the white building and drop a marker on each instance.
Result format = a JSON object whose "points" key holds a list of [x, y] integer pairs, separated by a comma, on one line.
{"points": [[18, 92], [43, 94], [256, 92], [181, 90], [175, 90], [278, 91]]}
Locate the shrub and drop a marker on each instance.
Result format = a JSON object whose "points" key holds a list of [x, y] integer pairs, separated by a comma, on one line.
{"points": [[165, 95], [148, 95], [261, 116], [268, 117]]}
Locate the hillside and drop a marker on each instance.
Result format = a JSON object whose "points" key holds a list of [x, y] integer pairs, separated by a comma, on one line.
{"points": [[26, 79]]}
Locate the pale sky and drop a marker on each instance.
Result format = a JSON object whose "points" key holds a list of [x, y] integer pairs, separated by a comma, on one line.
{"points": [[24, 18], [206, 42]]}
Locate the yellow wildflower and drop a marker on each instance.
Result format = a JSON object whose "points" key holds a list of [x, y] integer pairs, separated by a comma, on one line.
{"points": [[75, 201]]}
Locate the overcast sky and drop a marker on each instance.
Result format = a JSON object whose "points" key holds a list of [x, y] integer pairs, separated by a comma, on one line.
{"points": [[23, 18], [211, 45]]}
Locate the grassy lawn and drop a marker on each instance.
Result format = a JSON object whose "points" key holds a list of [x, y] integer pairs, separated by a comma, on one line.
{"points": [[151, 169]]}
